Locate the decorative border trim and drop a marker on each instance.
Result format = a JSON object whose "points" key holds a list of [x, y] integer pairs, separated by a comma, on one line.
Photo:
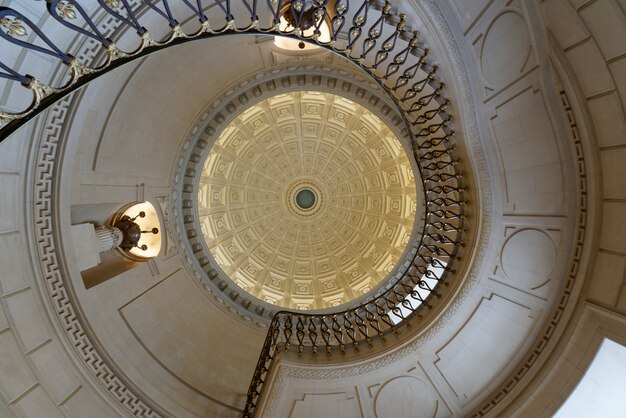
{"points": [[566, 293], [47, 148], [484, 223], [558, 310], [44, 206], [470, 117]]}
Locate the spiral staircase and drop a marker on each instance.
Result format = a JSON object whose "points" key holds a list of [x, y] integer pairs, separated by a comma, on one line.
{"points": [[507, 277]]}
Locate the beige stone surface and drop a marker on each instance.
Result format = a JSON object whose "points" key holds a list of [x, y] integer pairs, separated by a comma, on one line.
{"points": [[618, 71], [37, 403], [365, 206], [590, 68], [608, 278], [606, 21], [608, 119], [527, 146], [17, 377], [86, 404], [177, 344], [193, 340], [28, 317], [55, 371], [16, 271], [614, 172], [9, 203], [565, 23], [85, 245], [614, 220]]}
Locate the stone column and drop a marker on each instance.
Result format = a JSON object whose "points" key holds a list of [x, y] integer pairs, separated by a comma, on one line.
{"points": [[109, 237]]}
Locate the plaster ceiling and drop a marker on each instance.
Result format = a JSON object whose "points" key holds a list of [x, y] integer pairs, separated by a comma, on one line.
{"points": [[357, 228]]}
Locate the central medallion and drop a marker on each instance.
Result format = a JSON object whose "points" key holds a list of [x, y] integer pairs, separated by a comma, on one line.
{"points": [[308, 200], [305, 199]]}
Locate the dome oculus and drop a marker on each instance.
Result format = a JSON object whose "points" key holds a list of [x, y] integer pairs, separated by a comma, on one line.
{"points": [[307, 200]]}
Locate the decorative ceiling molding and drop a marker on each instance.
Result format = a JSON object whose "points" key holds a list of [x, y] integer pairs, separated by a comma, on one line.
{"points": [[557, 319], [465, 106], [45, 182], [48, 143], [306, 76], [361, 218], [54, 277]]}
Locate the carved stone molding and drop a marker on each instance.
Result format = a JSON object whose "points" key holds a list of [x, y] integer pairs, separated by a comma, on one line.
{"points": [[45, 172], [557, 316], [361, 219], [554, 321], [312, 76], [54, 276], [465, 107], [45, 178]]}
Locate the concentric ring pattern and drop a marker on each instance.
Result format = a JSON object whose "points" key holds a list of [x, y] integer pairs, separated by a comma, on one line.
{"points": [[364, 200]]}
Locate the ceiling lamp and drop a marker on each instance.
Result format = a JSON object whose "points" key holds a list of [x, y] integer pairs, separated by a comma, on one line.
{"points": [[141, 239], [311, 16]]}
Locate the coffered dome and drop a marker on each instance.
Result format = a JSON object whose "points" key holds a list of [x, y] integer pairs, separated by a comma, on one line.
{"points": [[307, 200], [497, 280]]}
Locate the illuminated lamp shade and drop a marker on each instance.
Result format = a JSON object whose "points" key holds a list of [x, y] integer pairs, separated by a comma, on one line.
{"points": [[287, 25], [150, 241]]}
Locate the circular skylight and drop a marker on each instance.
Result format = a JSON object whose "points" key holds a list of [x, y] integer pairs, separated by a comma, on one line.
{"points": [[305, 198]]}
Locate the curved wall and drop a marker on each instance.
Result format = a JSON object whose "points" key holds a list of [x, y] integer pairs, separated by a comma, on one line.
{"points": [[542, 276]]}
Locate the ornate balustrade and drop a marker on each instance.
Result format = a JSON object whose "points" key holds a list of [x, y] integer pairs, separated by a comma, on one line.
{"points": [[371, 35]]}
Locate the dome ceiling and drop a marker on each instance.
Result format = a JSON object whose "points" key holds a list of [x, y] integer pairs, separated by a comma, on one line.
{"points": [[307, 200], [517, 324]]}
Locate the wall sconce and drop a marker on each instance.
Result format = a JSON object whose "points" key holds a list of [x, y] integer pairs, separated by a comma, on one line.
{"points": [[132, 232]]}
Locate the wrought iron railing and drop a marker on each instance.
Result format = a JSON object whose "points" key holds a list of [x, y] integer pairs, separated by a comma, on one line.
{"points": [[368, 33]]}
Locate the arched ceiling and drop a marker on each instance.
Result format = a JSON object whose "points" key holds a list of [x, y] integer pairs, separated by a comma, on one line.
{"points": [[152, 322], [357, 229]]}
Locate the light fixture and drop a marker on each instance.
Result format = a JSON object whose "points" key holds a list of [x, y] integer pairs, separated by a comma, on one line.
{"points": [[132, 232], [310, 17]]}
